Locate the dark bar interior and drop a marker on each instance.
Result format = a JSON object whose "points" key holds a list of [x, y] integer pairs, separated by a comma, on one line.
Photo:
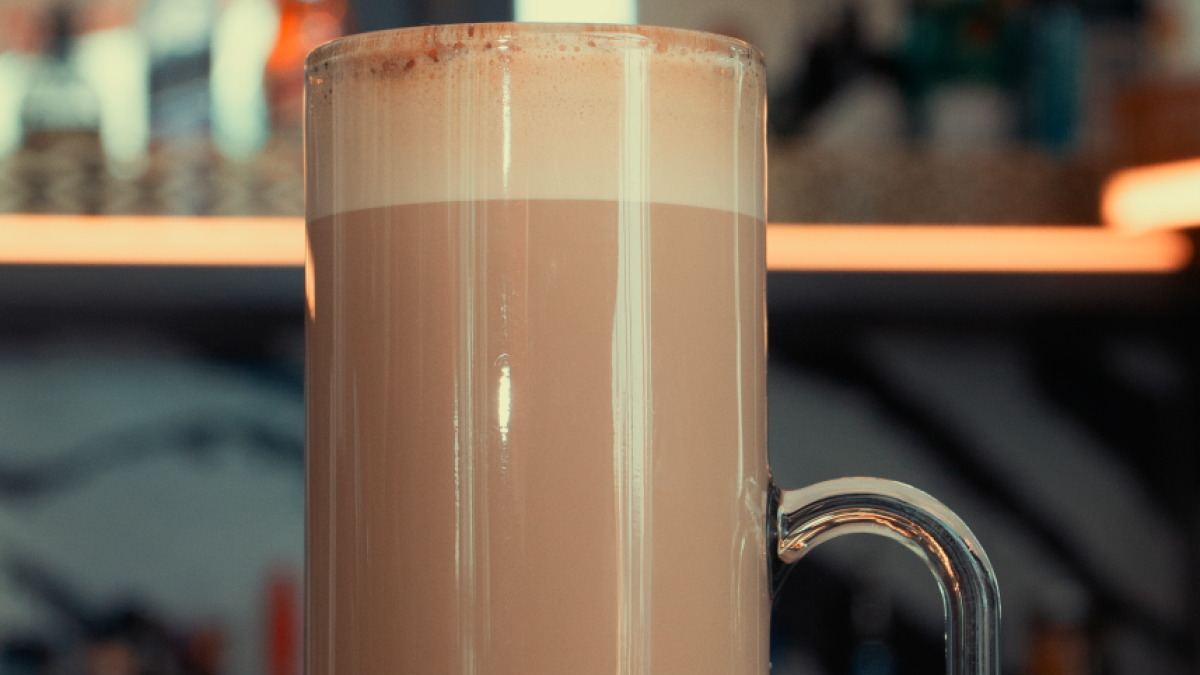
{"points": [[152, 413]]}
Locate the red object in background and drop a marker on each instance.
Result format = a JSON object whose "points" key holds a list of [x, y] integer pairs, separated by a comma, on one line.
{"points": [[23, 28], [97, 16], [1059, 650], [205, 651], [302, 26], [283, 625]]}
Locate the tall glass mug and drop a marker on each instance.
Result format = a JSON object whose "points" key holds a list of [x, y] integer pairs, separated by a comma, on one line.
{"points": [[536, 363]]}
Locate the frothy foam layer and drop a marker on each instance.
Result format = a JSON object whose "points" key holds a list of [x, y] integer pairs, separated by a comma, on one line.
{"points": [[510, 111]]}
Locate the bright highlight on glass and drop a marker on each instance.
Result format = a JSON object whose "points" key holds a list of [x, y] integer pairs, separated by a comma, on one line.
{"points": [[1165, 196], [576, 11]]}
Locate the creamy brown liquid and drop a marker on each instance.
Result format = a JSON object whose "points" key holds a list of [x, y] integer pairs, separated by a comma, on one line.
{"points": [[536, 440]]}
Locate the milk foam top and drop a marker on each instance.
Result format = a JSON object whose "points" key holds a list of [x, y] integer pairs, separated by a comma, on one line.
{"points": [[535, 111]]}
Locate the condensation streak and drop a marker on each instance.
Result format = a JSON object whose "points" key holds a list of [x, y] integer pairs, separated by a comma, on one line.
{"points": [[337, 375], [738, 545], [465, 444], [470, 405], [632, 405]]}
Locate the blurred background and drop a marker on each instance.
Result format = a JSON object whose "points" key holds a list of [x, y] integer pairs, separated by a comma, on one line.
{"points": [[981, 284]]}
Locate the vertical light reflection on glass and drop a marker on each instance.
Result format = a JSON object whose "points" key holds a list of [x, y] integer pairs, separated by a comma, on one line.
{"points": [[116, 64], [506, 148], [736, 158], [504, 399], [631, 370], [15, 69], [574, 11], [310, 281], [467, 550], [242, 42]]}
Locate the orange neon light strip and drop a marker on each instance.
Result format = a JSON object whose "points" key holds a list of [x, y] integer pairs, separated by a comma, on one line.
{"points": [[150, 240], [972, 248], [155, 240], [1164, 196]]}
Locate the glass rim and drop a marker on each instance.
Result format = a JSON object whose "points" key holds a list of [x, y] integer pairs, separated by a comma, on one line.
{"points": [[462, 33]]}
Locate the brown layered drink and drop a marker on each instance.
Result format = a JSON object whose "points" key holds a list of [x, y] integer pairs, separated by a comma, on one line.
{"points": [[536, 414]]}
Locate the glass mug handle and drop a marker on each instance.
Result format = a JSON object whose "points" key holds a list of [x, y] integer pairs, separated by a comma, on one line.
{"points": [[801, 519]]}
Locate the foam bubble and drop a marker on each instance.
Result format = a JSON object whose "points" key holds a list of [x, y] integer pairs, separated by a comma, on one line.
{"points": [[512, 111]]}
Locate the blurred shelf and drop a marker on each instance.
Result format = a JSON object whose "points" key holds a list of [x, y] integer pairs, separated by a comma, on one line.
{"points": [[209, 210], [247, 241], [66, 173], [973, 249], [879, 270], [906, 183], [279, 241]]}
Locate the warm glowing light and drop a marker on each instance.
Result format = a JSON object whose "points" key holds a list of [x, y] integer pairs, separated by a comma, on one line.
{"points": [[1165, 196], [164, 240], [150, 240], [966, 248], [310, 281]]}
